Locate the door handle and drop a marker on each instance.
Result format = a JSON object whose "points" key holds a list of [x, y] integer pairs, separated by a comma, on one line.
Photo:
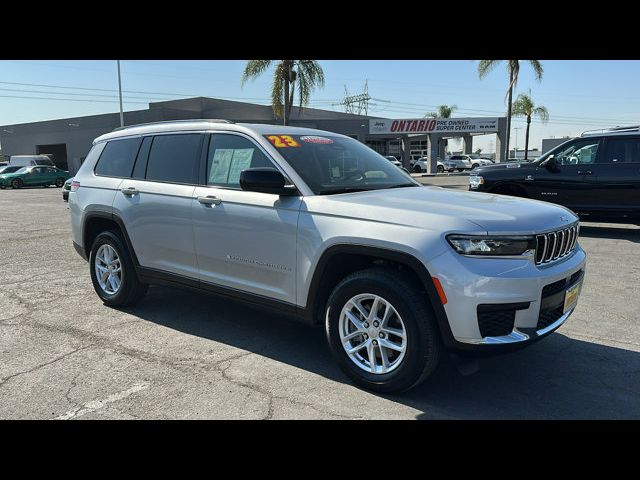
{"points": [[585, 172], [129, 191], [209, 200]]}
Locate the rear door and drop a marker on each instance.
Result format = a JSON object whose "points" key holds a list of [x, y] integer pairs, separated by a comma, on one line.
{"points": [[617, 175], [155, 203]]}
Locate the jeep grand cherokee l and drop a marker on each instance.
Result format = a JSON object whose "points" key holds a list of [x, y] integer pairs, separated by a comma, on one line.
{"points": [[319, 226], [597, 175]]}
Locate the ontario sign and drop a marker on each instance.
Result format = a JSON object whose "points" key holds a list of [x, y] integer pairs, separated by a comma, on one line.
{"points": [[434, 125]]}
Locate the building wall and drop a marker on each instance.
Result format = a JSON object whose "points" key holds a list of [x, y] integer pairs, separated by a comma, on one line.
{"points": [[78, 133]]}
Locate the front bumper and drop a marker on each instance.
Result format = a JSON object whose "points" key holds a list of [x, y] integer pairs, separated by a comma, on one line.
{"points": [[469, 282]]}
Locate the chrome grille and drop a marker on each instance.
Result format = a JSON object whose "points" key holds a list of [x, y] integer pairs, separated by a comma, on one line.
{"points": [[552, 246]]}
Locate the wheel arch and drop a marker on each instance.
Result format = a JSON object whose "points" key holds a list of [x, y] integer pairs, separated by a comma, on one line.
{"points": [[96, 222], [340, 260]]}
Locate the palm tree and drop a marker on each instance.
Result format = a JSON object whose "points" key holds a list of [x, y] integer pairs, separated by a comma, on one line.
{"points": [[524, 107], [306, 74], [513, 67], [444, 111]]}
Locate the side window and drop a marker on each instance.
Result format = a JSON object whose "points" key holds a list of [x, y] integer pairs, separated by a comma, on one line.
{"points": [[228, 156], [578, 153], [621, 150], [173, 158], [117, 158]]}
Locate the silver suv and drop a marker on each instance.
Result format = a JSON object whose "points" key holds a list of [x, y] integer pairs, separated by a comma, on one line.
{"points": [[320, 227]]}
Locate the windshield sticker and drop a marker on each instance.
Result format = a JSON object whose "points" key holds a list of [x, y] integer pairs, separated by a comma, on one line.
{"points": [[315, 139], [282, 141]]}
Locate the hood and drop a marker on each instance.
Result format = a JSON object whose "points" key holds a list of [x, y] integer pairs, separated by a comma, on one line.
{"points": [[436, 208]]}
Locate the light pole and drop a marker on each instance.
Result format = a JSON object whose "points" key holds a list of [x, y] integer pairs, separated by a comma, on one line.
{"points": [[120, 95], [515, 155]]}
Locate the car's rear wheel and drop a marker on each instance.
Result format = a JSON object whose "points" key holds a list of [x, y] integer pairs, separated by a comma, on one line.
{"points": [[382, 331], [59, 182], [112, 271], [17, 183], [461, 169], [440, 169]]}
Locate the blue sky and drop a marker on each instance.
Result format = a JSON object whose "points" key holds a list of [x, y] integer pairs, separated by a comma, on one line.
{"points": [[579, 95]]}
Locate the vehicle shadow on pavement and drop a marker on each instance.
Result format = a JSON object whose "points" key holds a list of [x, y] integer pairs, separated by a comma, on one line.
{"points": [[630, 233], [557, 378]]}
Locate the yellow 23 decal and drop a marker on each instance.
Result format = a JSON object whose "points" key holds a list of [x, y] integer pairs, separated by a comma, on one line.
{"points": [[282, 141]]}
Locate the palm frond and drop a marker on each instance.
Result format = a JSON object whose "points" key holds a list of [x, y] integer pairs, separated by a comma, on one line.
{"points": [[486, 66], [277, 89], [253, 69], [538, 70], [542, 113]]}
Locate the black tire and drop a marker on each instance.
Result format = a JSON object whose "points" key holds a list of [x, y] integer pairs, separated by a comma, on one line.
{"points": [[17, 183], [474, 166], [131, 290], [423, 337], [59, 182], [461, 169], [440, 169], [417, 169]]}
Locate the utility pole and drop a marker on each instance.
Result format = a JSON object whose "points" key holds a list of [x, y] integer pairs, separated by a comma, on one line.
{"points": [[120, 95], [357, 104]]}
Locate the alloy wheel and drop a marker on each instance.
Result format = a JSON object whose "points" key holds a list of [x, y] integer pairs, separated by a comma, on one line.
{"points": [[108, 269]]}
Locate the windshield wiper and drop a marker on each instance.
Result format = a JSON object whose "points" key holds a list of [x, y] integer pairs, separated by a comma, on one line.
{"points": [[401, 185], [343, 190]]}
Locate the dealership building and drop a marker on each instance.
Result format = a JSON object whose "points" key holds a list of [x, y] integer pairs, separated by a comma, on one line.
{"points": [[69, 140]]}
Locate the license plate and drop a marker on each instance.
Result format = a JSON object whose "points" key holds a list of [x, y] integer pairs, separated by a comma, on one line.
{"points": [[571, 297]]}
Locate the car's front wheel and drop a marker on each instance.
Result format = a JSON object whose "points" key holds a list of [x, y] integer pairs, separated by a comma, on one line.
{"points": [[440, 169], [59, 182], [417, 169], [382, 331], [474, 166], [112, 271], [17, 183]]}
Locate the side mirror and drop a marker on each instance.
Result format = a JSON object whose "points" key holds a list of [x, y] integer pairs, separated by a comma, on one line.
{"points": [[550, 163], [265, 180]]}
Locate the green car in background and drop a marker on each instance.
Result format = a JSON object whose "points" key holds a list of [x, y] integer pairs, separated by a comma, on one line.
{"points": [[38, 175]]}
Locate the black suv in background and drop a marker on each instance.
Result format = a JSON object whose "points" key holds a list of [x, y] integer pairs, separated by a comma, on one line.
{"points": [[597, 175]]}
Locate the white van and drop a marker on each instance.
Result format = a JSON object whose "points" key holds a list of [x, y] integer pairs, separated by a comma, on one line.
{"points": [[29, 160]]}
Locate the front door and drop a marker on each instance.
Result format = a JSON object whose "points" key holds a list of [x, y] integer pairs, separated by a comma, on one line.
{"points": [[244, 240], [37, 176], [572, 182]]}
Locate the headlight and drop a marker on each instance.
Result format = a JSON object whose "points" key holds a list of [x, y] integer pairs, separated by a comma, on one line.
{"points": [[492, 245], [475, 181]]}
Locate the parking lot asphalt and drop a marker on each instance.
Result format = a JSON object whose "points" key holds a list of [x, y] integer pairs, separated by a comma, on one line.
{"points": [[178, 354]]}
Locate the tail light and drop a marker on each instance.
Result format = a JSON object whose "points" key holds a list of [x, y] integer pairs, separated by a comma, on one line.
{"points": [[75, 186]]}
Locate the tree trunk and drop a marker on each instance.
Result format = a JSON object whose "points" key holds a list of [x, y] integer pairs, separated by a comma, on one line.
{"points": [[526, 139], [509, 109]]}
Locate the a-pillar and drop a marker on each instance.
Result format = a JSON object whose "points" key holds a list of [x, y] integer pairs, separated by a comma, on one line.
{"points": [[433, 145], [467, 141]]}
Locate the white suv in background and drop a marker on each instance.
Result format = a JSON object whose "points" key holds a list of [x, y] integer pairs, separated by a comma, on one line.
{"points": [[320, 227]]}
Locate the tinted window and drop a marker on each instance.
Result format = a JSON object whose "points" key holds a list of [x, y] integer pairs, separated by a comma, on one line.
{"points": [[622, 150], [117, 158], [578, 153], [141, 161], [173, 158], [228, 156]]}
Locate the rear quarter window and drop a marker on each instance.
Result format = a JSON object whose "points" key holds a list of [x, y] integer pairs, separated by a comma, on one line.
{"points": [[118, 157]]}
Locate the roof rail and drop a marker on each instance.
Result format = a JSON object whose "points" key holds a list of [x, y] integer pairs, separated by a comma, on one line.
{"points": [[210, 120], [632, 128]]}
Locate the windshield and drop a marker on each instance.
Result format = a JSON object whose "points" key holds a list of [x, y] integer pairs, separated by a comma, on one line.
{"points": [[330, 164], [8, 169], [23, 170]]}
